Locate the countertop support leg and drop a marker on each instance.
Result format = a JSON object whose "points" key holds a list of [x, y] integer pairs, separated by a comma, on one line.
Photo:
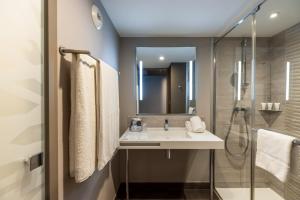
{"points": [[127, 174], [211, 173]]}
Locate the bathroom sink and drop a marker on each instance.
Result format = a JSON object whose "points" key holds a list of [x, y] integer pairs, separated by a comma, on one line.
{"points": [[174, 138]]}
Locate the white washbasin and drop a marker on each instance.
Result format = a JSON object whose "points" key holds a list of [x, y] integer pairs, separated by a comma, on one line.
{"points": [[156, 134], [174, 138]]}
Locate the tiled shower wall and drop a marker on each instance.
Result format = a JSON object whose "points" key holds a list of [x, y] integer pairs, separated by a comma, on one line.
{"points": [[284, 47]]}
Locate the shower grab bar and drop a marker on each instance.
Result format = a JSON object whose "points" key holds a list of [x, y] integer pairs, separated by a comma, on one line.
{"points": [[295, 141]]}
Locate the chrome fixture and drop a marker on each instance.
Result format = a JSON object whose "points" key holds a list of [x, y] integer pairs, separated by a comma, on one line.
{"points": [[243, 144], [244, 44], [166, 125], [63, 51], [168, 151]]}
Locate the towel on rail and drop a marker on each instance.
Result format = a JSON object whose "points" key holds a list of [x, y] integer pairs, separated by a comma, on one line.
{"points": [[274, 152], [82, 135], [108, 113]]}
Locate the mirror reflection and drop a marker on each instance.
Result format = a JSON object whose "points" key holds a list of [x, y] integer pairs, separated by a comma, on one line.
{"points": [[166, 80]]}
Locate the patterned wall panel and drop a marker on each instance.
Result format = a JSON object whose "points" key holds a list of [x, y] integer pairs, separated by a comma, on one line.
{"points": [[21, 98]]}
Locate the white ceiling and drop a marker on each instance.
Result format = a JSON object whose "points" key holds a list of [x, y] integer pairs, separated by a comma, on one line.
{"points": [[150, 55], [289, 15], [170, 18], [198, 18]]}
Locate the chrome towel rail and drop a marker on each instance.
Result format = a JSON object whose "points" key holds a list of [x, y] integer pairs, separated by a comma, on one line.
{"points": [[63, 51], [296, 142]]}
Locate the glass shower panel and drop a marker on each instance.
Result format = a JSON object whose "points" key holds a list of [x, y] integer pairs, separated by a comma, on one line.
{"points": [[22, 99], [277, 83], [233, 56]]}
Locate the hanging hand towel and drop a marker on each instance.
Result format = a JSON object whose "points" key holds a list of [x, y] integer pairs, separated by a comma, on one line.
{"points": [[273, 153], [82, 136], [108, 114]]}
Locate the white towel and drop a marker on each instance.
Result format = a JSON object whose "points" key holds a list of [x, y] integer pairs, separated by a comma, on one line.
{"points": [[198, 126], [108, 115], [273, 153], [82, 135]]}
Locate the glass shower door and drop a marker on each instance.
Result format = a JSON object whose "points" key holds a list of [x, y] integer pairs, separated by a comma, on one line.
{"points": [[22, 100], [233, 58]]}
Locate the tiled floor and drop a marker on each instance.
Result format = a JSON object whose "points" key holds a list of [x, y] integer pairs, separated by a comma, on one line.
{"points": [[188, 194], [161, 192], [244, 193]]}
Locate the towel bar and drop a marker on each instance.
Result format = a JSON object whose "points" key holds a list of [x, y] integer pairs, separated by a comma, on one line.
{"points": [[63, 51]]}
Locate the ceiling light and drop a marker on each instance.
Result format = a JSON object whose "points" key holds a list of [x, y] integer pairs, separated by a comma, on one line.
{"points": [[161, 58], [273, 15]]}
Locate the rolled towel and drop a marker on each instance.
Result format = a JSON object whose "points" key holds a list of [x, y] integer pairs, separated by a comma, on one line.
{"points": [[188, 126], [198, 125]]}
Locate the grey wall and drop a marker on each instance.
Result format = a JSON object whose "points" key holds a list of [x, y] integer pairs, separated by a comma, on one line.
{"points": [[177, 94], [155, 95], [76, 30], [189, 166]]}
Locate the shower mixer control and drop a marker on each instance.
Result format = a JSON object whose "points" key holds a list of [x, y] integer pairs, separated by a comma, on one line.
{"points": [[241, 109]]}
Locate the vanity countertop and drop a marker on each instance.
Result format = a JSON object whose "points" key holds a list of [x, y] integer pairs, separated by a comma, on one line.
{"points": [[174, 138]]}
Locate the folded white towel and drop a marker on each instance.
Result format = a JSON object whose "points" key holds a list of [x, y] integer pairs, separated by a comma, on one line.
{"points": [[197, 124], [82, 136], [273, 153], [188, 126], [108, 113]]}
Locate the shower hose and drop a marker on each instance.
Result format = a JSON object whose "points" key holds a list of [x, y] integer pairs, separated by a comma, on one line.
{"points": [[233, 116]]}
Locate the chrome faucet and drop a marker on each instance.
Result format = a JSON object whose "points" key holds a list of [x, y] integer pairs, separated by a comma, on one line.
{"points": [[166, 125]]}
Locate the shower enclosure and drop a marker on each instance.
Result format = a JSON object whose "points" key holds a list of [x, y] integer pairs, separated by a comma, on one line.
{"points": [[257, 61]]}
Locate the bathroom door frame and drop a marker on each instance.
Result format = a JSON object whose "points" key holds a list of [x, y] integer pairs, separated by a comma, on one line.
{"points": [[252, 14], [53, 168]]}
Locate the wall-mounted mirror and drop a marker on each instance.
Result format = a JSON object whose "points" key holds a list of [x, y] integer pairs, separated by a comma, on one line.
{"points": [[166, 80]]}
